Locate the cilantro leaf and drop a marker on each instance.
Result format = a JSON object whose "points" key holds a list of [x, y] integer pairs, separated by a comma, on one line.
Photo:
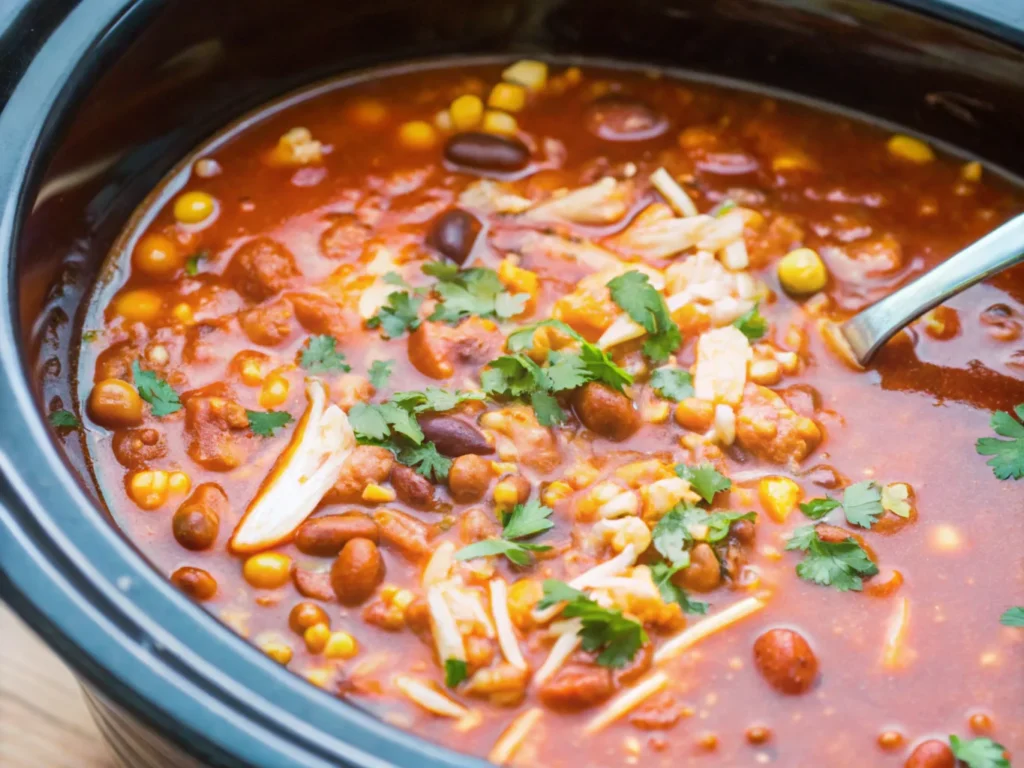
{"points": [[380, 372], [840, 565], [524, 521], [1007, 455], [393, 278], [979, 753], [862, 503], [427, 461], [513, 376], [662, 574], [1013, 617], [528, 519], [723, 207], [565, 371], [640, 300], [155, 391], [604, 629], [704, 479], [720, 522], [399, 314], [368, 423], [894, 499], [752, 323], [818, 508], [671, 536], [64, 418], [192, 262], [472, 292], [522, 340], [433, 399], [320, 355], [455, 671], [602, 368], [442, 270], [549, 412], [263, 423], [673, 384]]}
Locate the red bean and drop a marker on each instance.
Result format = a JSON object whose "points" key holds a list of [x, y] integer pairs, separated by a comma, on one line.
{"points": [[486, 152], [195, 582], [453, 234], [357, 571], [454, 436], [412, 488], [325, 536], [608, 413], [785, 660], [931, 754]]}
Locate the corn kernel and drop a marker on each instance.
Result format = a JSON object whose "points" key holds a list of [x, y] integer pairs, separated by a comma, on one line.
{"points": [[910, 149], [179, 482], [506, 494], [779, 497], [316, 637], [417, 134], [377, 494], [149, 488], [656, 412], [274, 391], [532, 75], [139, 306], [403, 598], [501, 123], [321, 678], [194, 207], [971, 171], [555, 492], [279, 652], [183, 313], [523, 595], [341, 645], [508, 97], [466, 112], [252, 372], [504, 468], [793, 160], [267, 570], [802, 272], [765, 372]]}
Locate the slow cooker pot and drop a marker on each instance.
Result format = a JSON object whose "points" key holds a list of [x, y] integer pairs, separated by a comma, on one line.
{"points": [[104, 96]]}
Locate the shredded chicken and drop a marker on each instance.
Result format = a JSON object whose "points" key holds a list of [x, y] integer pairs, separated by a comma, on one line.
{"points": [[721, 370], [602, 202]]}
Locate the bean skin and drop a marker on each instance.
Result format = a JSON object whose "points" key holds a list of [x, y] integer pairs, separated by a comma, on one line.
{"points": [[486, 152], [357, 572], [453, 234], [454, 436], [469, 478], [306, 614], [412, 488], [325, 536], [315, 585], [197, 521], [931, 754], [608, 413], [195, 582], [785, 660]]}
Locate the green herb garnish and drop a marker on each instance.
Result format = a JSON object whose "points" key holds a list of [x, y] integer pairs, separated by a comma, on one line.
{"points": [[455, 671], [379, 373], [673, 384], [640, 300], [64, 418], [840, 564], [752, 323], [158, 393], [263, 423], [1007, 455], [704, 479], [399, 314], [320, 355], [979, 753], [524, 521]]}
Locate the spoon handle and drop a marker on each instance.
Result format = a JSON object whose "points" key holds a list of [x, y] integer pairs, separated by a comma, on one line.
{"points": [[868, 330]]}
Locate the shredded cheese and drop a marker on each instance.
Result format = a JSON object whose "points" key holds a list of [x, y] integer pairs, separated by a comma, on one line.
{"points": [[503, 623], [566, 644], [428, 697], [673, 193], [440, 564], [627, 701], [709, 626], [447, 638], [512, 737]]}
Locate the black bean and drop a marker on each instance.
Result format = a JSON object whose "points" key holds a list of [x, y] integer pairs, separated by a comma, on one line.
{"points": [[486, 152], [453, 234]]}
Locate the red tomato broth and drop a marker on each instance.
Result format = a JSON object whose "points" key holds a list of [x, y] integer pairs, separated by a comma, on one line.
{"points": [[913, 418]]}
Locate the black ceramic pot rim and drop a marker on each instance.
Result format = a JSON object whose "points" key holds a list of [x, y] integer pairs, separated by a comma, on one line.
{"points": [[118, 622]]}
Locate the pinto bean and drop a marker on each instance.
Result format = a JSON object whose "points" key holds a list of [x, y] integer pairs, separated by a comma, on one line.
{"points": [[114, 403], [704, 572], [261, 268], [325, 536], [486, 152], [637, 667], [931, 754], [454, 436], [436, 348], [405, 532], [453, 234], [608, 413], [134, 448], [315, 585], [305, 615], [197, 521], [195, 582], [577, 686], [412, 488], [785, 660], [357, 571], [367, 464], [469, 478], [268, 324], [477, 524]]}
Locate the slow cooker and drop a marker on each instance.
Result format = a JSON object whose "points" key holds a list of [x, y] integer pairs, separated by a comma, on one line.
{"points": [[102, 97]]}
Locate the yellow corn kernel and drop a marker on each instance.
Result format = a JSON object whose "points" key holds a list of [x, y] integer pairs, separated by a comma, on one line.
{"points": [[793, 160], [466, 112], [802, 272], [139, 306], [179, 482], [149, 488], [501, 123], [494, 420], [555, 492], [279, 652], [183, 313], [316, 637], [376, 494], [194, 207], [532, 75], [369, 112], [522, 597], [252, 372], [910, 149], [581, 475], [403, 598], [971, 171], [656, 411], [779, 497], [508, 97], [267, 570], [321, 678], [388, 592], [506, 494], [274, 391], [504, 468], [341, 645], [517, 279], [765, 372], [417, 134]]}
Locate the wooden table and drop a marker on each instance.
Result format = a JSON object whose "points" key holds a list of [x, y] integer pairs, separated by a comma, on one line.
{"points": [[43, 719]]}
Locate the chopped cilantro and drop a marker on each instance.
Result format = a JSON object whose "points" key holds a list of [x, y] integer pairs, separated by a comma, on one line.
{"points": [[672, 383], [90, 336], [433, 399], [455, 671], [263, 423], [155, 391], [604, 629], [979, 753], [566, 371], [818, 508], [399, 314], [704, 479], [192, 262], [475, 292], [723, 207], [427, 461], [1013, 617], [524, 521], [64, 418], [662, 574], [522, 340], [840, 565], [671, 536], [379, 373], [862, 503], [547, 409], [646, 306], [752, 323], [320, 355], [1007, 455], [393, 278]]}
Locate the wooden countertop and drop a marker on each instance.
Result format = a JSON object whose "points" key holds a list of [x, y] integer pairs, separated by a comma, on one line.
{"points": [[43, 719]]}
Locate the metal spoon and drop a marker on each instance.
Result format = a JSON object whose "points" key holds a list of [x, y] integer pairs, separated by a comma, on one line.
{"points": [[867, 331]]}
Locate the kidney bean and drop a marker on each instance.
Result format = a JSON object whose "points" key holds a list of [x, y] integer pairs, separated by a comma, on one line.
{"points": [[785, 660], [134, 448], [197, 521], [325, 536], [577, 686], [195, 582], [469, 478], [315, 585], [621, 118], [404, 532], [453, 234], [412, 488], [477, 524], [931, 754], [608, 413], [305, 615], [486, 152], [454, 436], [357, 571], [704, 572]]}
